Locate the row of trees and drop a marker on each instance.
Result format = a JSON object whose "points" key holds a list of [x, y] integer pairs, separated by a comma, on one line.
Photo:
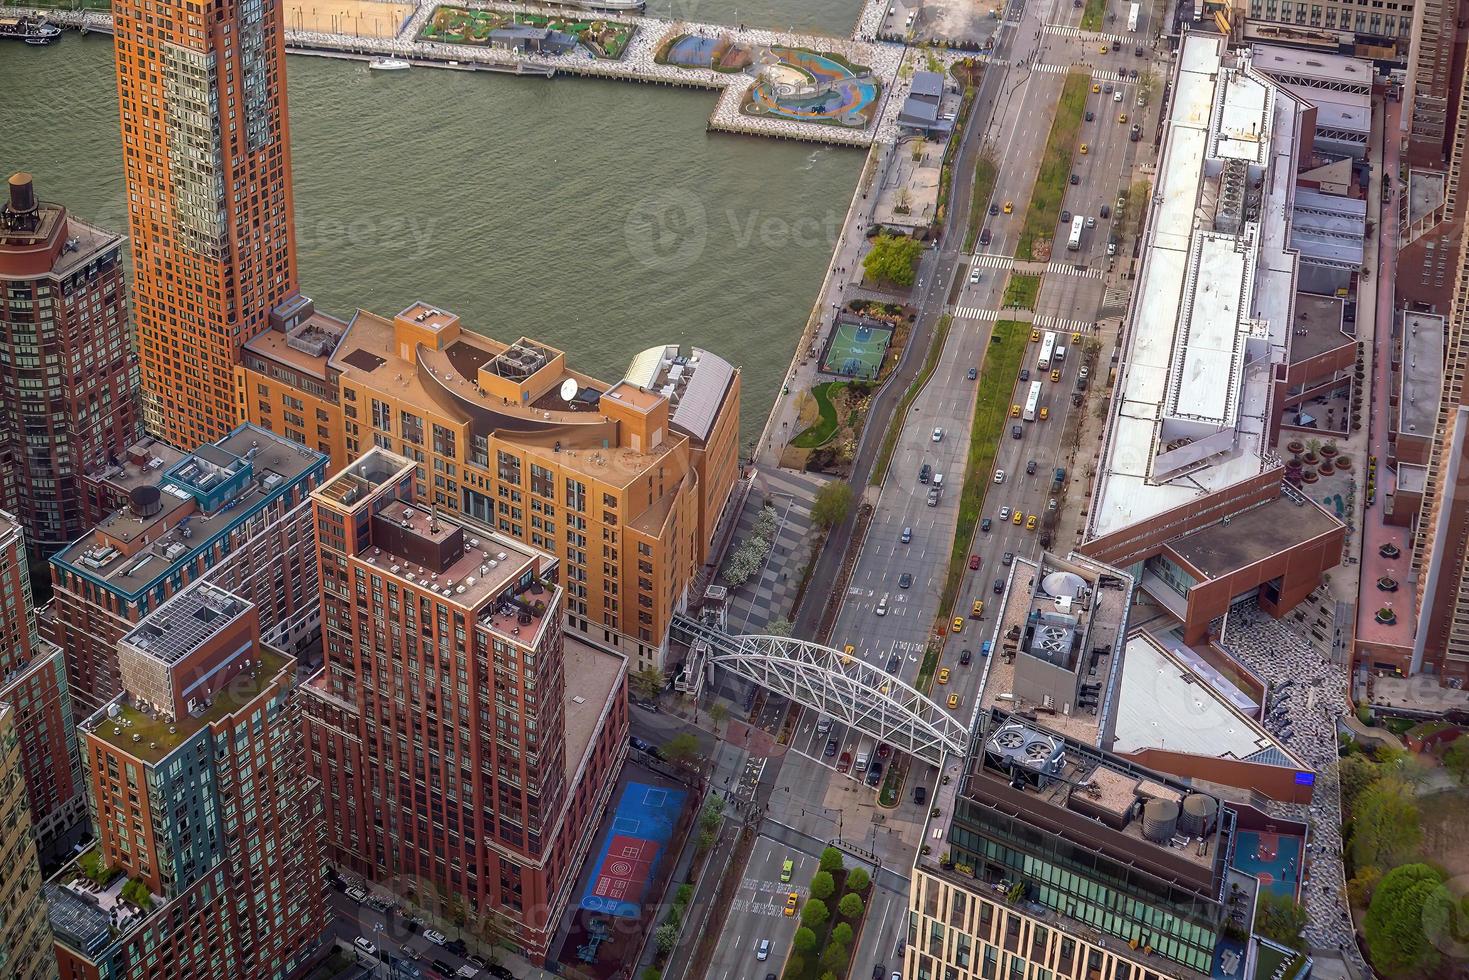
{"points": [[828, 958], [1412, 918], [750, 555]]}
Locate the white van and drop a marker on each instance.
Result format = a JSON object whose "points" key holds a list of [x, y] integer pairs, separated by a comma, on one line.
{"points": [[882, 605], [938, 480], [1060, 352], [861, 765]]}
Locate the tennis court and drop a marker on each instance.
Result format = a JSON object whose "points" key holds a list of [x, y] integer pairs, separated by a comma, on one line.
{"points": [[857, 350], [641, 829]]}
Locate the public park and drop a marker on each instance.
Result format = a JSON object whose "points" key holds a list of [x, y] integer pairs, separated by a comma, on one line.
{"points": [[789, 83], [606, 39]]}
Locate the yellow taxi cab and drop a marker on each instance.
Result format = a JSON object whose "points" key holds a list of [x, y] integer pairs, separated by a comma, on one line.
{"points": [[978, 611], [1055, 374], [1015, 411], [847, 652], [1035, 336], [1083, 149], [1076, 337], [1045, 413], [1122, 118], [1030, 523], [958, 626], [1102, 48], [1096, 89], [1009, 207], [1018, 518], [944, 676], [791, 904], [953, 700]]}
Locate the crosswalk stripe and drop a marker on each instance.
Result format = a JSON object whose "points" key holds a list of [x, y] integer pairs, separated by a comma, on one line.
{"points": [[1067, 269], [1069, 31], [991, 261], [974, 313], [1048, 322]]}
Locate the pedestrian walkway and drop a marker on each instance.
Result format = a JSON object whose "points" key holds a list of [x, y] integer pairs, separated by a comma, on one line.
{"points": [[1065, 326], [1068, 269], [974, 313], [771, 594], [1096, 73], [988, 260]]}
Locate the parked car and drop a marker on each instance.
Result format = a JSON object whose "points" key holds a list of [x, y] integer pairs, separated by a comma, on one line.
{"points": [[365, 946], [831, 748], [874, 774], [844, 763], [920, 796], [435, 937]]}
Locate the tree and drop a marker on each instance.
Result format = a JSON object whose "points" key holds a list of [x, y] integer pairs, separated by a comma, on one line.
{"points": [[805, 940], [780, 626], [851, 905], [795, 967], [1360, 888], [841, 933], [834, 958], [1385, 830], [718, 712], [707, 839], [684, 895], [831, 859], [832, 504], [666, 937], [1394, 925], [1456, 758], [652, 973], [892, 258], [857, 880], [683, 747], [822, 885], [1279, 918], [648, 683], [814, 913], [828, 975], [1355, 773]]}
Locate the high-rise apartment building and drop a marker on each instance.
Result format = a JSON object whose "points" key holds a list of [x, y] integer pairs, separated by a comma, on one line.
{"points": [[67, 378], [25, 935], [465, 747], [236, 511], [33, 682], [207, 158], [624, 482], [208, 859]]}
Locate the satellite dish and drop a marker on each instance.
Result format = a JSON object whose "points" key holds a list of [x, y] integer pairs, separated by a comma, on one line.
{"points": [[568, 389]]}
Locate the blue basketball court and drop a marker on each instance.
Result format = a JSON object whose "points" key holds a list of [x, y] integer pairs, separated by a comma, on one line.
{"points": [[641, 828], [1275, 859]]}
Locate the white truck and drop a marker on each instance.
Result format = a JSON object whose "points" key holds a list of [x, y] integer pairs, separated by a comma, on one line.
{"points": [[1132, 15]]}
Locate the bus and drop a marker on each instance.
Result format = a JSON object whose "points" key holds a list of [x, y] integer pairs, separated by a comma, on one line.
{"points": [[1048, 347], [1132, 16], [1074, 242], [1033, 401]]}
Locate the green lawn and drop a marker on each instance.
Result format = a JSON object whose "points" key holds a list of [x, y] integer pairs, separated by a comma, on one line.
{"points": [[892, 785], [930, 664], [1091, 16], [991, 408], [895, 425], [979, 197], [1050, 182], [826, 427], [1021, 291]]}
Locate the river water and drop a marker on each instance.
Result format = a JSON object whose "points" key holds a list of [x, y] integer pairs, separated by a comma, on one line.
{"points": [[598, 217]]}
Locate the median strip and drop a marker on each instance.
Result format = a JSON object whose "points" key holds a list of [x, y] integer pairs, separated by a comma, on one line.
{"points": [[895, 424], [991, 407], [1050, 182]]}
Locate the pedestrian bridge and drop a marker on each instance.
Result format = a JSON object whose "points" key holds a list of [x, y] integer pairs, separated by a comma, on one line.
{"points": [[857, 694]]}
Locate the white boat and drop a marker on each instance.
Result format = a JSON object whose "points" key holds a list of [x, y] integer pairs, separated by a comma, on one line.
{"points": [[388, 64]]}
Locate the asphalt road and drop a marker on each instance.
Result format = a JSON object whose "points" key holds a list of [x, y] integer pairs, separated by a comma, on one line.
{"points": [[757, 913]]}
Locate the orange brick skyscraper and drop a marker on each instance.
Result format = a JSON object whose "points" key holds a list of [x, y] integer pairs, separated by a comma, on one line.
{"points": [[206, 152]]}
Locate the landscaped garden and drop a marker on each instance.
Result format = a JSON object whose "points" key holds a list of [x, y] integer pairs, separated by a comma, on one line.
{"points": [[831, 420], [1021, 291], [830, 926], [607, 39]]}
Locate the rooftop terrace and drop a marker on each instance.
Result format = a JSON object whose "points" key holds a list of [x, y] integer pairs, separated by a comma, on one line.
{"points": [[150, 736], [1318, 326], [1254, 535], [1422, 373], [186, 622]]}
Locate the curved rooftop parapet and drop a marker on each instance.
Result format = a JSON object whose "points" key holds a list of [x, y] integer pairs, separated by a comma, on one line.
{"points": [[695, 384]]}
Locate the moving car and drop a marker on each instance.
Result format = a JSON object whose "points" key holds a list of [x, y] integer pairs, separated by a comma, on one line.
{"points": [[1029, 471], [1015, 411], [905, 580], [894, 662], [1111, 248], [994, 208], [1096, 89], [1025, 374], [943, 677], [1035, 336], [1065, 217], [1055, 374], [847, 652], [823, 726], [1117, 96], [999, 585], [882, 606], [973, 373], [1091, 222], [1075, 179], [973, 561], [1007, 559], [791, 901], [1045, 413], [953, 700], [938, 434], [1090, 115], [1084, 149], [906, 536], [999, 476], [1004, 514], [973, 276], [984, 237], [1122, 118], [924, 472], [966, 657], [958, 624], [1015, 432], [933, 496], [762, 952], [1009, 207], [1030, 523], [1106, 213], [1017, 518], [977, 612]]}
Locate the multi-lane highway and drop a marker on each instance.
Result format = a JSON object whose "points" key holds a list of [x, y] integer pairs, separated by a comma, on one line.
{"points": [[893, 596]]}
